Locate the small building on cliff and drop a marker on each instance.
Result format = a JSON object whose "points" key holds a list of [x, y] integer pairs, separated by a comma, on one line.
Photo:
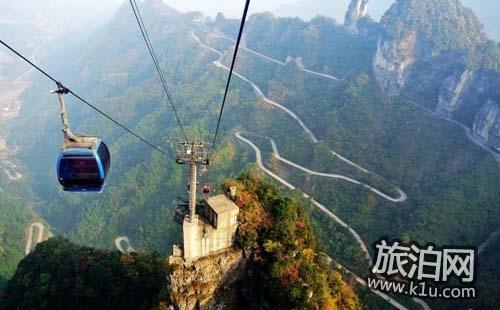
{"points": [[212, 229]]}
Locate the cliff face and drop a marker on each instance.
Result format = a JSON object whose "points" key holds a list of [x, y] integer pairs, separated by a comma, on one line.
{"points": [[451, 91], [357, 10], [207, 283], [393, 61], [486, 126], [424, 51]]}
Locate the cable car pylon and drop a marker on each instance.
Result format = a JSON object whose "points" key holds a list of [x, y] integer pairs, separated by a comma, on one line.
{"points": [[192, 154]]}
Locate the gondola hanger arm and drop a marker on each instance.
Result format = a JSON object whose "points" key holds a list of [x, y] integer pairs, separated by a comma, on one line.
{"points": [[68, 134]]}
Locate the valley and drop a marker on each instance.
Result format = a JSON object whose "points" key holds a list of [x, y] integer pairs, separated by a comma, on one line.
{"points": [[306, 108], [10, 106], [276, 154]]}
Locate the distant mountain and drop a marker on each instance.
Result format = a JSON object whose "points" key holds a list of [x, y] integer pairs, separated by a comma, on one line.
{"points": [[443, 24], [436, 50], [314, 71], [308, 9], [487, 11]]}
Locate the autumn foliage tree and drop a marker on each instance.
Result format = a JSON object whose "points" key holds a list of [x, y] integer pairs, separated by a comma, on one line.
{"points": [[289, 268]]}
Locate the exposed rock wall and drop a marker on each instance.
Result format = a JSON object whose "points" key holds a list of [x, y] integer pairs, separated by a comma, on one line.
{"points": [[416, 61], [207, 283], [486, 127], [393, 61], [451, 91], [357, 10]]}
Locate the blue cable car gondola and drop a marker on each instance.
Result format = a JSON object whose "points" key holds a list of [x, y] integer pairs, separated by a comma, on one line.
{"points": [[83, 166], [84, 162]]}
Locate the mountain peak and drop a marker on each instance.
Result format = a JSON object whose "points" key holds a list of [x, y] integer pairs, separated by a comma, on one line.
{"points": [[158, 7], [357, 10], [445, 24]]}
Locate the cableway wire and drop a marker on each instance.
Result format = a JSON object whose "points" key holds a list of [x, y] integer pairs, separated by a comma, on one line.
{"points": [[152, 53], [242, 26], [67, 90]]}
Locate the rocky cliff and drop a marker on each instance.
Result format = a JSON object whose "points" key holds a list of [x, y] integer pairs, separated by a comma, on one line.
{"points": [[393, 60], [428, 51], [486, 127], [207, 283], [451, 91], [357, 10]]}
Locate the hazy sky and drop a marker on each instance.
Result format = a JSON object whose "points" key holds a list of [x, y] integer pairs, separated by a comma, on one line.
{"points": [[486, 10], [98, 9], [228, 7], [234, 7]]}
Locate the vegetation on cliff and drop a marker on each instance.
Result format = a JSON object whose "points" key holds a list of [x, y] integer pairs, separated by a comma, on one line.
{"points": [[13, 222], [289, 269], [446, 23], [447, 178]]}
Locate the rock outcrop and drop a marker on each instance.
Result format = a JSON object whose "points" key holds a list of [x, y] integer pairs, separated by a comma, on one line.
{"points": [[207, 283], [428, 51], [357, 10], [393, 61], [486, 127], [451, 91]]}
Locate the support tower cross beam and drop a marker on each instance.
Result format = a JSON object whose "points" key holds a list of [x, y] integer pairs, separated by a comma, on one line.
{"points": [[192, 154]]}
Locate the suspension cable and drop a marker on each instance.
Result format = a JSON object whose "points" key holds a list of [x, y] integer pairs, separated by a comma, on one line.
{"points": [[152, 53], [67, 90], [240, 33]]}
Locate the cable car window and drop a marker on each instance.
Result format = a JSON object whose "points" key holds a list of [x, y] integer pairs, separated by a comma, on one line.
{"points": [[103, 153], [84, 167]]}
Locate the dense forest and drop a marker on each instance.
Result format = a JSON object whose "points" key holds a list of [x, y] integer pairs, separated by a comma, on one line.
{"points": [[287, 265], [13, 219], [62, 275], [450, 182]]}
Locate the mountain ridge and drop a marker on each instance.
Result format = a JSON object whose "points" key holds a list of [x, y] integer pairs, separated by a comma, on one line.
{"points": [[446, 177]]}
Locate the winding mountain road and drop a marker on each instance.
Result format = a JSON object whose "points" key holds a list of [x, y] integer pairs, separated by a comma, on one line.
{"points": [[300, 65], [321, 207], [402, 196], [34, 59], [119, 245], [11, 170], [330, 214], [298, 60], [29, 242], [467, 130]]}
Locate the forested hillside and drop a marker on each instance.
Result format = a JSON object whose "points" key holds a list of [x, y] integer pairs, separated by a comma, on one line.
{"points": [[307, 87], [430, 159], [14, 220], [62, 275], [287, 267], [449, 180]]}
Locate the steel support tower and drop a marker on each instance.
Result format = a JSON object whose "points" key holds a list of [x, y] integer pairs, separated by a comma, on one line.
{"points": [[192, 154]]}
